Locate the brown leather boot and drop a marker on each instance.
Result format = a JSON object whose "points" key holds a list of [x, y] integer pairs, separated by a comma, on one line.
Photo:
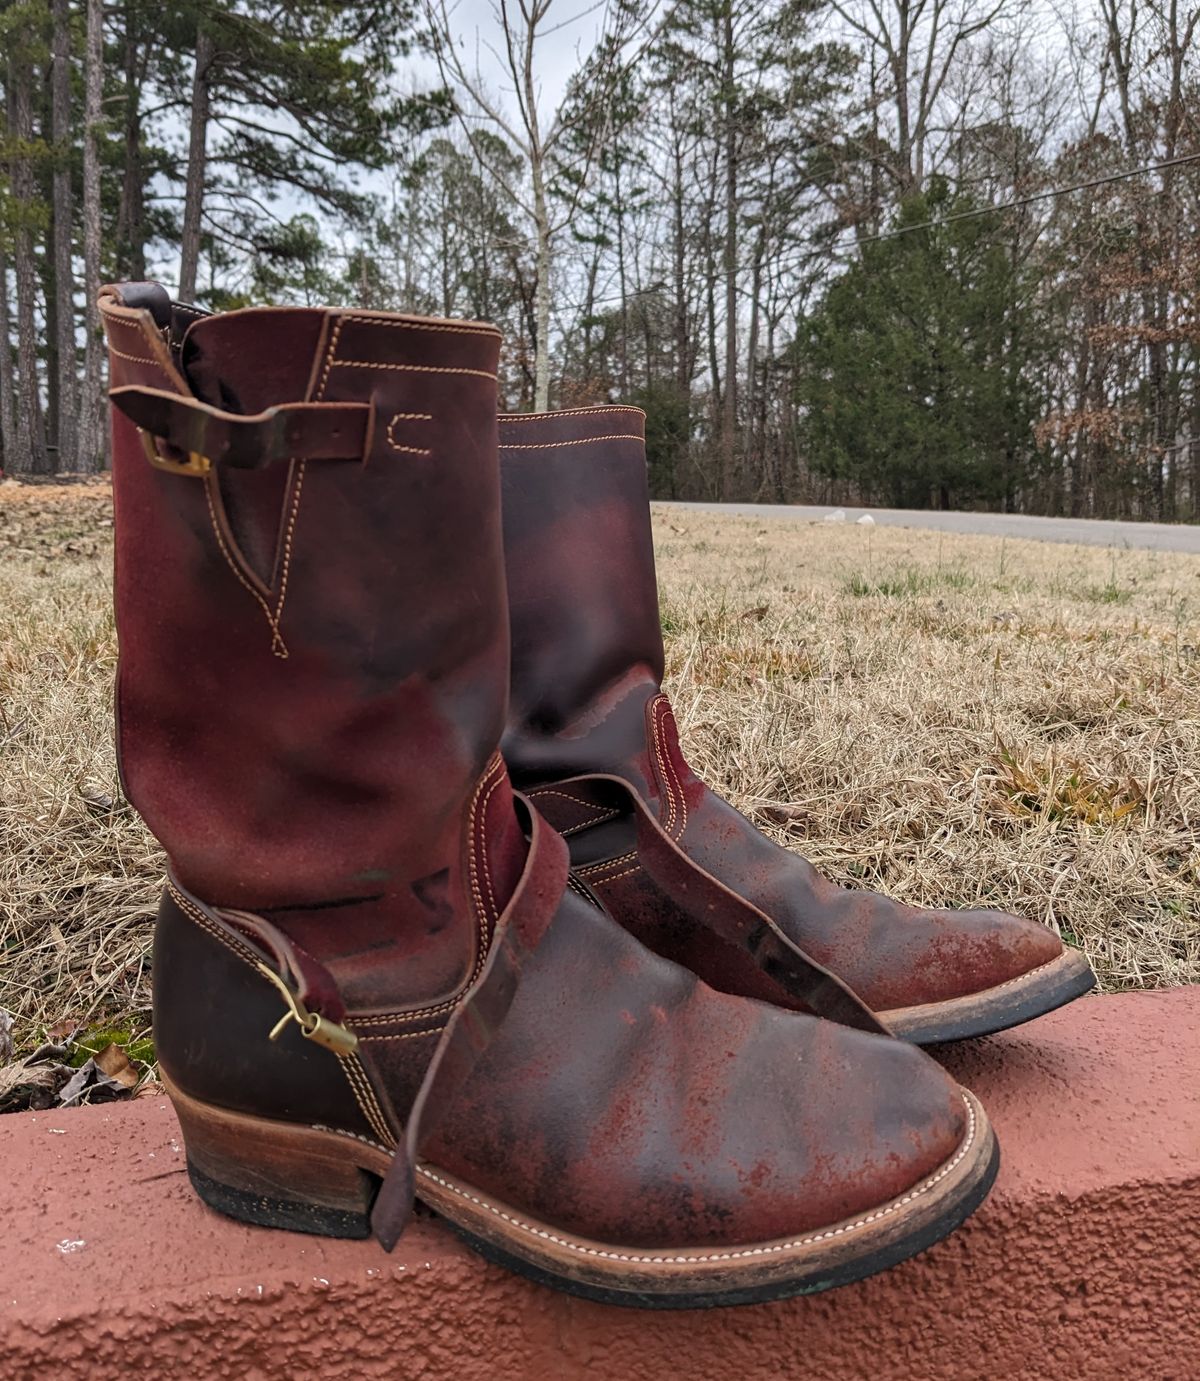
{"points": [[587, 698], [373, 974]]}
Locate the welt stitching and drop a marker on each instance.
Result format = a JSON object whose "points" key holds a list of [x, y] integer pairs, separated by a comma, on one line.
{"points": [[1008, 983], [554, 445], [266, 608], [686, 1258]]}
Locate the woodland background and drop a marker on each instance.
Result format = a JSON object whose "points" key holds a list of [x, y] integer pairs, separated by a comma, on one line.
{"points": [[785, 228]]}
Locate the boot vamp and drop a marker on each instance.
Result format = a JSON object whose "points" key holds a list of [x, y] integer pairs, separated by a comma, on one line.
{"points": [[891, 954], [624, 1100]]}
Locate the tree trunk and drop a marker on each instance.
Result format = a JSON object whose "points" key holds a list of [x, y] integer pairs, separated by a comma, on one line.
{"points": [[91, 412], [8, 428], [131, 220], [31, 451], [64, 269], [729, 264], [193, 202], [541, 366]]}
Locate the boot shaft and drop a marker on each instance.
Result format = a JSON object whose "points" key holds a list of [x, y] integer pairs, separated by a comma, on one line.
{"points": [[314, 651], [587, 651]]}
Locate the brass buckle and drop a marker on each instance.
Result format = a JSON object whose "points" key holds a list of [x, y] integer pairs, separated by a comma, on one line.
{"points": [[313, 1026], [195, 464]]}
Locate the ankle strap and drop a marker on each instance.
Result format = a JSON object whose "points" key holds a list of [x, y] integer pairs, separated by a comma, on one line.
{"points": [[198, 436]]}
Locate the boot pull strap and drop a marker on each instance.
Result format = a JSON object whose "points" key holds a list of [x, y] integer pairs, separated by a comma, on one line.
{"points": [[470, 1030], [199, 436]]}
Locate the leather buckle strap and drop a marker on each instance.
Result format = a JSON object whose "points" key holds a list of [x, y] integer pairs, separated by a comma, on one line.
{"points": [[710, 904], [481, 1013], [199, 436]]}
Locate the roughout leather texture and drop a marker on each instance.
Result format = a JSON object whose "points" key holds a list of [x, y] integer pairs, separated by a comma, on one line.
{"points": [[314, 664], [586, 697]]}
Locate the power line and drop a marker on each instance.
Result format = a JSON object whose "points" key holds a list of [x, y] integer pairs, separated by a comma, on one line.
{"points": [[1027, 201]]}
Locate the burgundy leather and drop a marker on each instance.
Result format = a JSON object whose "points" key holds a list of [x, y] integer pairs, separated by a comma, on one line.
{"points": [[587, 665], [312, 687], [308, 708]]}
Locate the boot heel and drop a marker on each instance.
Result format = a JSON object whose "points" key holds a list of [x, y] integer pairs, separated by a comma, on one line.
{"points": [[277, 1174]]}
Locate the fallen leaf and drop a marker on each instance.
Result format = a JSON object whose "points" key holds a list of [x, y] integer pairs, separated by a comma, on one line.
{"points": [[89, 1084], [757, 614], [114, 1062]]}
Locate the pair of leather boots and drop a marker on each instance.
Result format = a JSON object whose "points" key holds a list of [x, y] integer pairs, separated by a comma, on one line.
{"points": [[449, 917]]}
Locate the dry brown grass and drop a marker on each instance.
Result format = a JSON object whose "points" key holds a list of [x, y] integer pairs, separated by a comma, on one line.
{"points": [[956, 720]]}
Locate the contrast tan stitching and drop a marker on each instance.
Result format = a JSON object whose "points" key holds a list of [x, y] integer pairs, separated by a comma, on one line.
{"points": [[974, 997], [554, 445], [686, 1258], [454, 329], [333, 340], [414, 368], [616, 877], [135, 359], [407, 417], [233, 566], [607, 813], [656, 729], [278, 646], [365, 1095], [591, 869], [243, 952], [356, 1076], [483, 844], [669, 760], [405, 1035], [510, 417]]}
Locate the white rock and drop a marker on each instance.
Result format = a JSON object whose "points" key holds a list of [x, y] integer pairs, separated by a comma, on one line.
{"points": [[837, 516], [866, 521]]}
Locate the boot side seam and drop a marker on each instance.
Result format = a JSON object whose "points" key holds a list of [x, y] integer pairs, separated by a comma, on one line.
{"points": [[665, 763], [351, 1067], [364, 1094]]}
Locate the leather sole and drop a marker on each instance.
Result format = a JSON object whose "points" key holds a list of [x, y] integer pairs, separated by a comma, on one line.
{"points": [[315, 1180], [1021, 999]]}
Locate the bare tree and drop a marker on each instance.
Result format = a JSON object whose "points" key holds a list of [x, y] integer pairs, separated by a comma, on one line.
{"points": [[30, 444], [193, 203], [91, 412], [540, 136], [64, 269]]}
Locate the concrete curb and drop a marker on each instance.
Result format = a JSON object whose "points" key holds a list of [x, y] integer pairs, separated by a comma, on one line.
{"points": [[1084, 1263]]}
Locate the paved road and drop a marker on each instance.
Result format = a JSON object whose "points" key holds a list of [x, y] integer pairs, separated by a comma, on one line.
{"points": [[1151, 536]]}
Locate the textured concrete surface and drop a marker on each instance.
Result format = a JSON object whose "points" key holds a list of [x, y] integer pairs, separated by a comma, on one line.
{"points": [[1091, 532], [1084, 1263]]}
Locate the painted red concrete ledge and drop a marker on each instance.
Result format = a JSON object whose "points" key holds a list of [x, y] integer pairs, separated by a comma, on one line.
{"points": [[1085, 1262]]}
